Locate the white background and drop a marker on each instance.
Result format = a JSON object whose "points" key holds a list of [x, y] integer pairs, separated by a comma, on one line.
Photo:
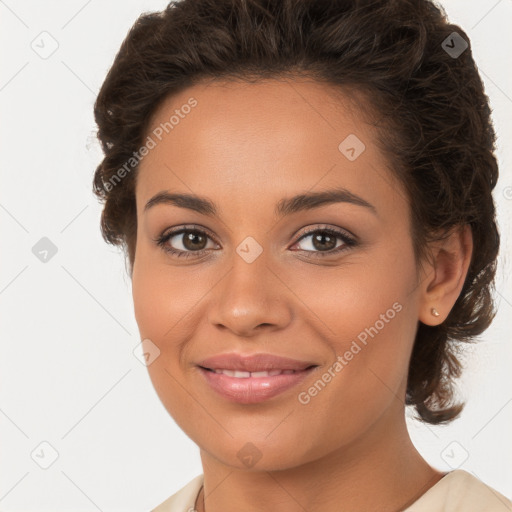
{"points": [[67, 372]]}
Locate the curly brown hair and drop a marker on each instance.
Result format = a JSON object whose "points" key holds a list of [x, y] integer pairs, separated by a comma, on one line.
{"points": [[434, 125]]}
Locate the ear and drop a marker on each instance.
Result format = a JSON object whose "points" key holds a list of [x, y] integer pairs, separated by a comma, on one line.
{"points": [[444, 274]]}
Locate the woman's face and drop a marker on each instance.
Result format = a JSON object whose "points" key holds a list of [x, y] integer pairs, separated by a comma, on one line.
{"points": [[257, 272]]}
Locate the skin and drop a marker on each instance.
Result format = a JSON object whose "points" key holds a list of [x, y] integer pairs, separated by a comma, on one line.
{"points": [[246, 147]]}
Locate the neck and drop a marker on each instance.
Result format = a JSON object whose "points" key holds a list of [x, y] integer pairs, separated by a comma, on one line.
{"points": [[381, 470]]}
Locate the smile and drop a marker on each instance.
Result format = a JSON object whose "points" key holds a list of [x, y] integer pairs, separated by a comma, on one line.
{"points": [[246, 375], [252, 387]]}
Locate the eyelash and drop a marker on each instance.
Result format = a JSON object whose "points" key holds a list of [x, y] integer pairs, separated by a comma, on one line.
{"points": [[162, 240]]}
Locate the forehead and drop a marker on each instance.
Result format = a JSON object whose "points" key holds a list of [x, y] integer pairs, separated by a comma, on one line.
{"points": [[260, 139]]}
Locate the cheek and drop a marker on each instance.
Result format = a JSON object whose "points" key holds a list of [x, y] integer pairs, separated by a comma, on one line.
{"points": [[164, 299], [358, 299], [369, 316], [168, 301], [165, 296]]}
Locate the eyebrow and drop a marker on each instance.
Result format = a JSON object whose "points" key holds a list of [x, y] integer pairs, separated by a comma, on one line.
{"points": [[286, 206]]}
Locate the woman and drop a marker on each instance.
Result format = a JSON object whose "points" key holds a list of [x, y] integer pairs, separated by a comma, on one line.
{"points": [[303, 190]]}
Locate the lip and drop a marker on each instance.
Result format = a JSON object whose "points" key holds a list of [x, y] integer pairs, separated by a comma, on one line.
{"points": [[251, 390], [253, 362]]}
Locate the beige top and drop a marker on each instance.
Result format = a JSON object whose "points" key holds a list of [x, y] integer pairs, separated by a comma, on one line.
{"points": [[457, 491]]}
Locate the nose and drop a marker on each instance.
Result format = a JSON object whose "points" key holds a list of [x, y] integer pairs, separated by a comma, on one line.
{"points": [[250, 299]]}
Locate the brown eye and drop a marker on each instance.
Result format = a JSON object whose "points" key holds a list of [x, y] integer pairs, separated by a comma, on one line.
{"points": [[324, 242], [193, 240], [186, 242]]}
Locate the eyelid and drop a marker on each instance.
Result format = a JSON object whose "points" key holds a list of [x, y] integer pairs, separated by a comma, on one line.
{"points": [[348, 241], [169, 233], [325, 227], [162, 239]]}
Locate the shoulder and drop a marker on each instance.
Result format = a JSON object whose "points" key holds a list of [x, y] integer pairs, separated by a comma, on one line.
{"points": [[184, 499], [460, 491]]}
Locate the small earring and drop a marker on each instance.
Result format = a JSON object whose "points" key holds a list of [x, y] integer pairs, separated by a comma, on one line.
{"points": [[434, 312]]}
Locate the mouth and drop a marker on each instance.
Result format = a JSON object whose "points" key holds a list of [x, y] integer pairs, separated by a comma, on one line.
{"points": [[253, 387], [253, 363], [247, 375]]}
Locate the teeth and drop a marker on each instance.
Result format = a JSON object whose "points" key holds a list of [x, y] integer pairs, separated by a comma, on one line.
{"points": [[246, 375]]}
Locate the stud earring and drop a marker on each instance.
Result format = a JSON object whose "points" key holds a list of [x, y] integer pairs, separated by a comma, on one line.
{"points": [[434, 312]]}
